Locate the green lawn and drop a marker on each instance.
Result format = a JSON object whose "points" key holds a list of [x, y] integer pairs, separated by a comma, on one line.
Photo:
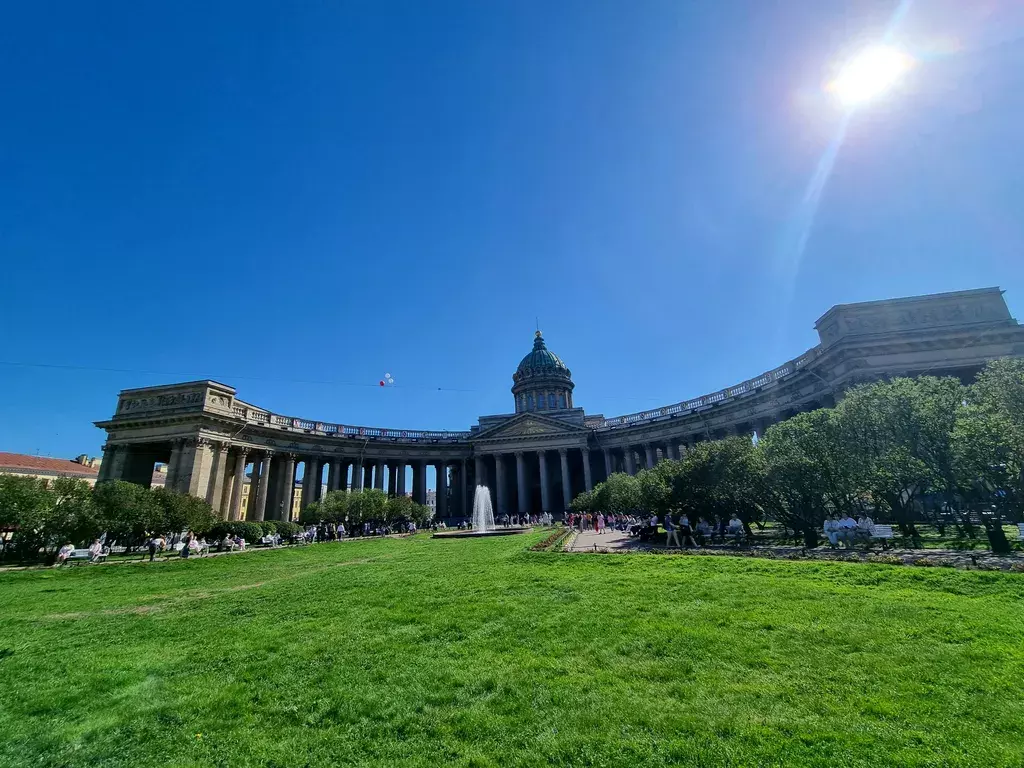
{"points": [[476, 653]]}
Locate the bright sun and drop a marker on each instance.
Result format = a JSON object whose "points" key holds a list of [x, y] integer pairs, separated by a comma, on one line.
{"points": [[870, 74]]}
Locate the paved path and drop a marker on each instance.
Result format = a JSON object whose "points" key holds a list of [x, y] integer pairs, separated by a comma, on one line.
{"points": [[590, 540], [616, 541]]}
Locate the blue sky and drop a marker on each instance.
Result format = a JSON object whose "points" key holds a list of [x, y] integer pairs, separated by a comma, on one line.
{"points": [[296, 198]]}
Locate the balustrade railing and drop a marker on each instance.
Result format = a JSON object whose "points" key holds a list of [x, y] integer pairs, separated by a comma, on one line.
{"points": [[256, 416]]}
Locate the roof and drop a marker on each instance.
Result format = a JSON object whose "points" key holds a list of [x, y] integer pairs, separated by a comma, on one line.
{"points": [[541, 361], [39, 464]]}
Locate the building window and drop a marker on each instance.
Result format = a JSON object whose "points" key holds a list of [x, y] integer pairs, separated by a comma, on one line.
{"points": [[561, 400], [551, 401], [529, 402]]}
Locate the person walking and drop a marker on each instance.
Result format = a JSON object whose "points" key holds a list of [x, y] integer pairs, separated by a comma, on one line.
{"points": [[600, 522], [687, 530], [152, 545], [671, 534]]}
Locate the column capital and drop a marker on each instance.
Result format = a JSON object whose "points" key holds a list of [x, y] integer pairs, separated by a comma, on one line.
{"points": [[563, 452], [267, 453], [224, 446], [520, 454], [243, 450], [289, 455], [586, 451]]}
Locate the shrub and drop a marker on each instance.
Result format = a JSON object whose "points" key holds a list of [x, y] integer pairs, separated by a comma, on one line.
{"points": [[287, 529], [249, 530]]}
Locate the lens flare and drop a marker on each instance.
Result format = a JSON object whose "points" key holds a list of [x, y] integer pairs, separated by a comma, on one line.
{"points": [[870, 74]]}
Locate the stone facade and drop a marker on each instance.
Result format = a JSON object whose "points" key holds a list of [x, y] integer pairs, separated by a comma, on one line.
{"points": [[536, 458]]}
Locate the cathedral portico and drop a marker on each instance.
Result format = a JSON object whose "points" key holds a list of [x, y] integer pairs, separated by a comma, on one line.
{"points": [[538, 457]]}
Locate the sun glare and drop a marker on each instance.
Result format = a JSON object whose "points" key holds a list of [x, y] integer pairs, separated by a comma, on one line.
{"points": [[870, 74]]}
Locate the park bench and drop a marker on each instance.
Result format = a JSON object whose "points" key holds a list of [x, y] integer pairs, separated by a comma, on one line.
{"points": [[883, 533], [83, 556]]}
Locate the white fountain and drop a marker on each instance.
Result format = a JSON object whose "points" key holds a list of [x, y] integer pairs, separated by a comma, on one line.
{"points": [[483, 515], [483, 520]]}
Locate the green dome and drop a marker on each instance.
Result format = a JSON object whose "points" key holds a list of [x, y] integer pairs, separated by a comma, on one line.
{"points": [[541, 362]]}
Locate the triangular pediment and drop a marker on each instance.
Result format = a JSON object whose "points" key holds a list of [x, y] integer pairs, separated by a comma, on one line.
{"points": [[529, 425]]}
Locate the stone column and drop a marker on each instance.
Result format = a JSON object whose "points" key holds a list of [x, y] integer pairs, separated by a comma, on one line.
{"points": [[442, 490], [392, 480], [521, 488], [609, 467], [464, 488], [237, 484], [215, 494], [307, 484], [545, 492], [419, 479], [287, 488], [357, 475], [105, 463], [563, 456], [333, 470], [627, 454], [173, 464], [261, 494], [187, 466], [588, 481], [400, 478], [367, 476], [378, 475], [649, 456], [479, 467], [502, 490]]}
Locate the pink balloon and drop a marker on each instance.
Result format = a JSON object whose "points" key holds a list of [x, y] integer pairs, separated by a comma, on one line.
{"points": [[382, 383]]}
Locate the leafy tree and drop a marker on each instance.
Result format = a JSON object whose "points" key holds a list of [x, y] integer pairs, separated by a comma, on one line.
{"points": [[619, 494], [401, 509], [25, 503], [368, 506], [716, 479], [332, 508], [653, 490], [73, 516], [804, 479], [584, 502], [894, 433], [988, 447], [127, 512], [182, 512]]}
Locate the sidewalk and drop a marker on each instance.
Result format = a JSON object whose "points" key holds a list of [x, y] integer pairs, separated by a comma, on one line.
{"points": [[617, 541]]}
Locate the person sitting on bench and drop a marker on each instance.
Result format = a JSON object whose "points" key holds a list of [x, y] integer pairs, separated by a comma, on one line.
{"points": [[65, 553]]}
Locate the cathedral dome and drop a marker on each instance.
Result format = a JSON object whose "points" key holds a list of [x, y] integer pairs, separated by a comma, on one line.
{"points": [[542, 382], [541, 361]]}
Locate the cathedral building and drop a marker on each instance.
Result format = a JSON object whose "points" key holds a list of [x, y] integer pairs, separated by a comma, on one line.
{"points": [[546, 450]]}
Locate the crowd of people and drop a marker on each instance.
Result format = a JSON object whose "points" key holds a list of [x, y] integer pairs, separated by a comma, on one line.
{"points": [[680, 532], [840, 530], [847, 531]]}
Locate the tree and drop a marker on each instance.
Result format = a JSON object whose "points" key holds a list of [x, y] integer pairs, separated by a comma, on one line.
{"points": [[400, 509], [24, 504], [895, 433], [653, 491], [332, 508], [988, 448], [74, 516], [367, 506], [127, 511], [619, 494], [805, 475], [182, 512], [584, 502], [716, 479]]}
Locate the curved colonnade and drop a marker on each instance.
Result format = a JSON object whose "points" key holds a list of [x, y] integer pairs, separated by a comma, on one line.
{"points": [[532, 461]]}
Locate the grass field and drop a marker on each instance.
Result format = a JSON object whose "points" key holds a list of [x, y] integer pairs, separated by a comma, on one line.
{"points": [[476, 653]]}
